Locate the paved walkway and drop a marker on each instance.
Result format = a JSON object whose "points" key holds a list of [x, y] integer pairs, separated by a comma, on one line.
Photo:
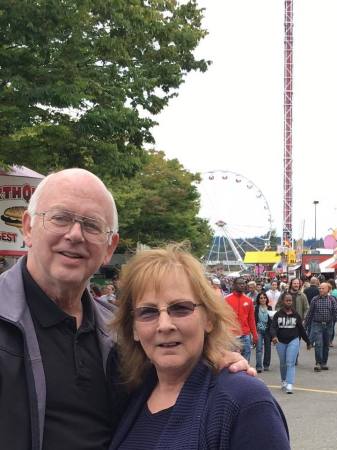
{"points": [[311, 411]]}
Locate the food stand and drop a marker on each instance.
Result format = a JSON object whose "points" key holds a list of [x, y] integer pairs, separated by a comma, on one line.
{"points": [[16, 188]]}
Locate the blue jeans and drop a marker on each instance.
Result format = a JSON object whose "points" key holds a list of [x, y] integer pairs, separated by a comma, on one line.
{"points": [[333, 332], [287, 354], [263, 346], [246, 343], [321, 334]]}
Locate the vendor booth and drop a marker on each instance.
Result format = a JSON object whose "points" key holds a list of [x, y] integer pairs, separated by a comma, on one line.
{"points": [[16, 187]]}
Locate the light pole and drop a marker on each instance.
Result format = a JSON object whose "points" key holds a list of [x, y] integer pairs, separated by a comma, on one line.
{"points": [[315, 202]]}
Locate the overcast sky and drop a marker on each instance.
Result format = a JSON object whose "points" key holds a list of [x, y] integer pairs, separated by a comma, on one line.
{"points": [[231, 117]]}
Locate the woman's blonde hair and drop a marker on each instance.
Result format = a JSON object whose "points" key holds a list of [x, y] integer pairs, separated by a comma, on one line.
{"points": [[147, 269]]}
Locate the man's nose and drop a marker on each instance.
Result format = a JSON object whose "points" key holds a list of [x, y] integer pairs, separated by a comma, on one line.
{"points": [[75, 231]]}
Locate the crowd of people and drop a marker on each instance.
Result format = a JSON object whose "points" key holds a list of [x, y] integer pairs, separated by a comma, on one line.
{"points": [[273, 313], [282, 313]]}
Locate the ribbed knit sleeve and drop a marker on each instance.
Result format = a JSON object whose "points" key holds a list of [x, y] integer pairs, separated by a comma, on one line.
{"points": [[243, 415]]}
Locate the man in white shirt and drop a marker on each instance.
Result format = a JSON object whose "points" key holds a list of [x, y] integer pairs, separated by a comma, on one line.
{"points": [[273, 294]]}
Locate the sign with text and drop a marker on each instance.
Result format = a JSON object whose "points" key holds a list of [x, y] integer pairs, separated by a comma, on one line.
{"points": [[15, 193]]}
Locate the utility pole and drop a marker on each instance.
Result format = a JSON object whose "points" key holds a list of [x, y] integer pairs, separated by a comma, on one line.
{"points": [[315, 203]]}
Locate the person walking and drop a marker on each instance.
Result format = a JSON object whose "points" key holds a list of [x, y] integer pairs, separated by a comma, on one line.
{"points": [[285, 330], [216, 285], [263, 322], [251, 290], [312, 290], [244, 309], [300, 301], [319, 324], [273, 294], [333, 292]]}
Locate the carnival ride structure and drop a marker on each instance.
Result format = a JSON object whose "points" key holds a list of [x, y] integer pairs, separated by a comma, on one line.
{"points": [[239, 215], [288, 123]]}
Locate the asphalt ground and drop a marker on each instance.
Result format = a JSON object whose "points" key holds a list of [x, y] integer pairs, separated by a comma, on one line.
{"points": [[311, 411]]}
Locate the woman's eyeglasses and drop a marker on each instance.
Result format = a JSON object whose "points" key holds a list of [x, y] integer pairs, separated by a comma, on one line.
{"points": [[175, 310]]}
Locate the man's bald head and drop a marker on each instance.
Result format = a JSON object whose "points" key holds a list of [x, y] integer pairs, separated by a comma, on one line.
{"points": [[53, 179]]}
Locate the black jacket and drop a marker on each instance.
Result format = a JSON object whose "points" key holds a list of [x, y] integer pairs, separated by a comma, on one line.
{"points": [[22, 380], [287, 327], [311, 292]]}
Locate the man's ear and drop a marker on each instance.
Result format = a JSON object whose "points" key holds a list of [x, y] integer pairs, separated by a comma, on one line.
{"points": [[111, 248], [27, 228]]}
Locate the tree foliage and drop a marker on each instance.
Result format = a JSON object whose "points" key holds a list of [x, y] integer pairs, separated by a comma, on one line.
{"points": [[80, 80], [160, 204]]}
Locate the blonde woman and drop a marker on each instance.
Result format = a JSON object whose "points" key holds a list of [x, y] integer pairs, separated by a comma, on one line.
{"points": [[172, 332]]}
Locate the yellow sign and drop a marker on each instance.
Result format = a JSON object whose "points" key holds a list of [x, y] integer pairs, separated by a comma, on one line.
{"points": [[261, 258], [291, 257]]}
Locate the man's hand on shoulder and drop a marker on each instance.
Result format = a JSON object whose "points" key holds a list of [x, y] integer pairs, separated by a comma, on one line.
{"points": [[235, 362]]}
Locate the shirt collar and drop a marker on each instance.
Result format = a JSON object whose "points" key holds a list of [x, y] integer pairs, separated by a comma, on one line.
{"points": [[238, 294], [46, 311]]}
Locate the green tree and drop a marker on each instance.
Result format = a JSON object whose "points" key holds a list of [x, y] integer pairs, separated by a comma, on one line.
{"points": [[160, 204], [80, 80]]}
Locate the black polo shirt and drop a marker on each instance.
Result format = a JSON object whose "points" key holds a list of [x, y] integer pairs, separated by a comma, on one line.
{"points": [[78, 411]]}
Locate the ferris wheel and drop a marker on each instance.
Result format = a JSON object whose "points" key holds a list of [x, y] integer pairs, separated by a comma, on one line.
{"points": [[239, 215]]}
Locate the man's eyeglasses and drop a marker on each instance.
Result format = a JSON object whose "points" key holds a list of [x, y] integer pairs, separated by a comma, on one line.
{"points": [[175, 310], [60, 222]]}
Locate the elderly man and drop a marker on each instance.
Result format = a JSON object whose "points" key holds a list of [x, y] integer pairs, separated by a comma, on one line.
{"points": [[252, 291], [319, 322], [54, 339]]}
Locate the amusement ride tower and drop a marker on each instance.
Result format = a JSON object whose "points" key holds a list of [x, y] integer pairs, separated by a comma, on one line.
{"points": [[288, 122]]}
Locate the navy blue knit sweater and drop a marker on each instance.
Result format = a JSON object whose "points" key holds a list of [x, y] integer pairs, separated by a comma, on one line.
{"points": [[215, 412]]}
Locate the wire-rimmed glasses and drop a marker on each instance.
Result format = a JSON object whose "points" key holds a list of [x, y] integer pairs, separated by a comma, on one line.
{"points": [[60, 222], [176, 310]]}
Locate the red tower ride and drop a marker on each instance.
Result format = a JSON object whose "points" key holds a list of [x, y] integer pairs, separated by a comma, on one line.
{"points": [[288, 122]]}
